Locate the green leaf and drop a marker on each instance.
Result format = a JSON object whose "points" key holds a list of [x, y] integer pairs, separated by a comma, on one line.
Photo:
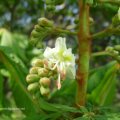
{"points": [[5, 117], [96, 76], [1, 90], [16, 42], [56, 107], [104, 93], [21, 96], [51, 116]]}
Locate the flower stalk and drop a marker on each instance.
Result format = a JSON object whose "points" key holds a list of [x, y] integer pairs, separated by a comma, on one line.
{"points": [[84, 54]]}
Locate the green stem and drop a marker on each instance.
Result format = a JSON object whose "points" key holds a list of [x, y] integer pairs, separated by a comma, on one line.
{"points": [[106, 32], [84, 54], [59, 30], [100, 54]]}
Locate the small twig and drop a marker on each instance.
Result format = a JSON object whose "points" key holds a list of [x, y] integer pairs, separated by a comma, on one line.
{"points": [[102, 53], [59, 30], [107, 32]]}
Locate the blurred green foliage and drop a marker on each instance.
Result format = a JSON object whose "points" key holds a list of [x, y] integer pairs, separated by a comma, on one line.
{"points": [[16, 55]]}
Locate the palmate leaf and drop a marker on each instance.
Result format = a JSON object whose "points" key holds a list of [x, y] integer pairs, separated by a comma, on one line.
{"points": [[21, 96], [104, 92]]}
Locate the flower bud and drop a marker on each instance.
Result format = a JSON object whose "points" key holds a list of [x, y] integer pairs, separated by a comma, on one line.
{"points": [[32, 78], [109, 49], [43, 72], [58, 2], [45, 82], [115, 20], [38, 63], [91, 21], [34, 70], [50, 74], [45, 22], [34, 33], [115, 52], [38, 28], [40, 45], [118, 57], [44, 91], [50, 7], [117, 47], [33, 41], [33, 87], [49, 2]]}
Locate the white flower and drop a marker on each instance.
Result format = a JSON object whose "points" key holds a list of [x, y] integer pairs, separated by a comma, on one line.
{"points": [[63, 59], [119, 13]]}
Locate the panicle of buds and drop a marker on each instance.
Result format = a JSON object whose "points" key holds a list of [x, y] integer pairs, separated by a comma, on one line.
{"points": [[114, 52], [58, 63], [40, 76]]}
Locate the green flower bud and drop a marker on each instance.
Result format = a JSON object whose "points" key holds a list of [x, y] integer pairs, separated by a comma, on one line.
{"points": [[118, 57], [45, 82], [44, 91], [90, 2], [40, 45], [34, 70], [117, 47], [38, 28], [115, 52], [50, 7], [33, 87], [35, 34], [50, 2], [38, 63], [43, 72], [91, 21], [58, 2], [32, 78], [45, 22], [33, 41], [109, 49], [50, 73], [115, 20]]}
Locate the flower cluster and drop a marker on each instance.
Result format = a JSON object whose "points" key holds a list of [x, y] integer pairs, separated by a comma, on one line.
{"points": [[39, 77], [40, 31], [58, 64]]}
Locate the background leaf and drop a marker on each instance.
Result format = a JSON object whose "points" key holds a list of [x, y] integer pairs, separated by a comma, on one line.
{"points": [[104, 92], [21, 96], [1, 90]]}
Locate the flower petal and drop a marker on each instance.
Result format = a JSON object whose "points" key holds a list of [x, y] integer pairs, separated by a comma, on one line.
{"points": [[49, 53], [68, 56], [71, 71], [60, 44]]}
